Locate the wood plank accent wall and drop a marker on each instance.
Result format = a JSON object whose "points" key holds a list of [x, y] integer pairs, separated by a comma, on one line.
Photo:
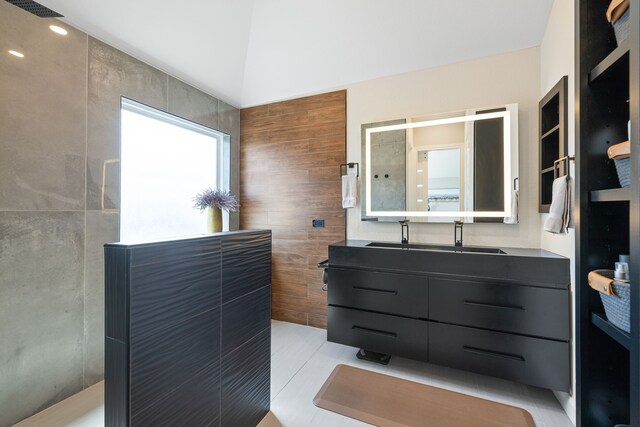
{"points": [[290, 156]]}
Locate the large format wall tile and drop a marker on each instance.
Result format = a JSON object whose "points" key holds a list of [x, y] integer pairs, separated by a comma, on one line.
{"points": [[291, 153], [42, 115], [189, 103], [101, 228], [229, 122], [41, 310], [112, 75]]}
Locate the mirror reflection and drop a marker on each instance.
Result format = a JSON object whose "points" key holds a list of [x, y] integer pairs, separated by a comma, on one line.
{"points": [[456, 166]]}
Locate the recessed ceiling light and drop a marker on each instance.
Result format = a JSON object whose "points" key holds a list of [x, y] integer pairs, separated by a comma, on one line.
{"points": [[58, 30], [16, 53]]}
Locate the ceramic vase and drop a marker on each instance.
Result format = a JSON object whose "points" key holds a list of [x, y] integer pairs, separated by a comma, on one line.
{"points": [[214, 220]]}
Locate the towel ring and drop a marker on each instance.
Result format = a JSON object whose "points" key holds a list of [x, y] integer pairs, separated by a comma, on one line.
{"points": [[556, 165]]}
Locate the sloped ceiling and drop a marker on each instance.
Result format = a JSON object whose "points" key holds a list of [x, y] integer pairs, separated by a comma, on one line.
{"points": [[251, 52]]}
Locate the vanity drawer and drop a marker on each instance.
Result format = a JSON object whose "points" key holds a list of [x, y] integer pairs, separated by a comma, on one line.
{"points": [[535, 361], [401, 294], [527, 310], [382, 333]]}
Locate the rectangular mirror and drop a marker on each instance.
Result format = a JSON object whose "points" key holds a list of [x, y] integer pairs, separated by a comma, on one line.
{"points": [[456, 166]]}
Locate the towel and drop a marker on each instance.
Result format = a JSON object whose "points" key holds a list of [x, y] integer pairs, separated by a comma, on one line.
{"points": [[349, 188], [513, 219], [616, 9], [559, 218]]}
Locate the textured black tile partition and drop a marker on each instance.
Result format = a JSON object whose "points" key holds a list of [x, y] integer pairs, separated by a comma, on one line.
{"points": [[169, 293], [161, 361], [195, 403], [245, 317], [245, 382], [116, 296], [246, 264], [167, 327], [116, 396]]}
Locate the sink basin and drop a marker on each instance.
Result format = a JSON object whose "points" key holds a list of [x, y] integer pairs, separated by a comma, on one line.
{"points": [[437, 247]]}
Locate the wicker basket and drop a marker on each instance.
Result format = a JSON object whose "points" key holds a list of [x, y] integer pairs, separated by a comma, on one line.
{"points": [[617, 307], [623, 167], [622, 27]]}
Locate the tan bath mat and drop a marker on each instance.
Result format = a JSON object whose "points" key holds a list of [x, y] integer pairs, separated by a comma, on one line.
{"points": [[383, 400]]}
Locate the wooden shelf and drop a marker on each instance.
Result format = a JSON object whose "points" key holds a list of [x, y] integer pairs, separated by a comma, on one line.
{"points": [[621, 337], [615, 57], [550, 131], [611, 195]]}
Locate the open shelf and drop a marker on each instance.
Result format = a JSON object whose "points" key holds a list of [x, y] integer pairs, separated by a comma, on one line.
{"points": [[620, 336], [611, 195], [619, 55], [550, 131]]}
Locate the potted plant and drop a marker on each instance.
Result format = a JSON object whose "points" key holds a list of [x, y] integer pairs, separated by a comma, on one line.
{"points": [[214, 201]]}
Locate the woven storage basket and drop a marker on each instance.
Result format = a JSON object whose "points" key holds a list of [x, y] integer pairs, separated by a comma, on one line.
{"points": [[617, 308], [622, 27], [623, 167]]}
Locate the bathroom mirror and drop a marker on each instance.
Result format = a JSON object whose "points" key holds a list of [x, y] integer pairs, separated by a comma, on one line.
{"points": [[455, 166]]}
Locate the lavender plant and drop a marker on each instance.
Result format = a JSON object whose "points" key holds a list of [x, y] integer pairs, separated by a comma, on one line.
{"points": [[216, 199]]}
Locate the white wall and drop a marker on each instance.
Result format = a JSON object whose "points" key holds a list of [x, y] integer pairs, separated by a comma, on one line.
{"points": [[494, 80], [557, 60]]}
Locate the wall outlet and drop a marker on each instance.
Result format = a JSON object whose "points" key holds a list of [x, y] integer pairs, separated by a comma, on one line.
{"points": [[318, 223]]}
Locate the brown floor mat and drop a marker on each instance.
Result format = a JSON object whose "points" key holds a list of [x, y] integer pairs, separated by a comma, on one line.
{"points": [[383, 400]]}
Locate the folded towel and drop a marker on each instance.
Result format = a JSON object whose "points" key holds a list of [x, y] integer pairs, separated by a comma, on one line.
{"points": [[559, 218], [616, 9], [349, 188], [513, 219]]}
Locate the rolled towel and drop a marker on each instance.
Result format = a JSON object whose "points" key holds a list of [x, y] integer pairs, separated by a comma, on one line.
{"points": [[560, 210], [513, 219], [349, 188]]}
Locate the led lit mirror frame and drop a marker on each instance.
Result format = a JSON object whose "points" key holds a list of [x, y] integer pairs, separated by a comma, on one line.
{"points": [[509, 132]]}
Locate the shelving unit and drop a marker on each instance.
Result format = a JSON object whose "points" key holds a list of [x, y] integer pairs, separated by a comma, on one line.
{"points": [[608, 217], [552, 129]]}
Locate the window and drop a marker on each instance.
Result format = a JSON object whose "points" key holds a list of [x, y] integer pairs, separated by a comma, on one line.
{"points": [[165, 162]]}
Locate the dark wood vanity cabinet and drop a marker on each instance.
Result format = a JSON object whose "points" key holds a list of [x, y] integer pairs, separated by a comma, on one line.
{"points": [[407, 306]]}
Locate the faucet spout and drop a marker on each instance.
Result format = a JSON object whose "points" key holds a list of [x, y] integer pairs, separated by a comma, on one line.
{"points": [[405, 228]]}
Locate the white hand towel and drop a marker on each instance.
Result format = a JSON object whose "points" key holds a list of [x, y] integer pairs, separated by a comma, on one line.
{"points": [[513, 219], [349, 188], [560, 210]]}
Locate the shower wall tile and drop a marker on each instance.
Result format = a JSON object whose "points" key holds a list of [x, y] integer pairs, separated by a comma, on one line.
{"points": [[113, 74], [192, 104], [42, 262], [229, 121], [101, 228], [42, 115]]}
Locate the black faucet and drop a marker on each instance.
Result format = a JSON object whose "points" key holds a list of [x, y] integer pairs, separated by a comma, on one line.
{"points": [[457, 227], [405, 226]]}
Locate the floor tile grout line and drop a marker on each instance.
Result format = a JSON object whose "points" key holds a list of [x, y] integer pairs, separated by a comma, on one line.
{"points": [[299, 369]]}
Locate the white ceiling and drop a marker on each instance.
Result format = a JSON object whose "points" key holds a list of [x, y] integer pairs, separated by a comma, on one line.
{"points": [[250, 52]]}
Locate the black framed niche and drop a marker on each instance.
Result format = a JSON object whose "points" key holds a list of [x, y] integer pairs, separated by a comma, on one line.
{"points": [[552, 131]]}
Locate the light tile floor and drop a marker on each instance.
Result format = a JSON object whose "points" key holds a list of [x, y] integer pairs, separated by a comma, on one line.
{"points": [[301, 360]]}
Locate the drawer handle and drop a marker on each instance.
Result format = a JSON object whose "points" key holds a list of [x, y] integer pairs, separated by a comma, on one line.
{"points": [[484, 304], [375, 331], [483, 352], [379, 291]]}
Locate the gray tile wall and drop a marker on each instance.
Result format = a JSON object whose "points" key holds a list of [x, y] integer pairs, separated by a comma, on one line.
{"points": [[59, 128]]}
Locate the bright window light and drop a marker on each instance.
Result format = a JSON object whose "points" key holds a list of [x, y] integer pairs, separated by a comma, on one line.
{"points": [[165, 162]]}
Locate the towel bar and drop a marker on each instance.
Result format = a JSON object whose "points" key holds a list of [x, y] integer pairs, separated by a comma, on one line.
{"points": [[556, 165], [350, 166]]}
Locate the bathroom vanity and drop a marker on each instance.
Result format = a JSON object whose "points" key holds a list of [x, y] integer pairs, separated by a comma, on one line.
{"points": [[503, 312]]}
